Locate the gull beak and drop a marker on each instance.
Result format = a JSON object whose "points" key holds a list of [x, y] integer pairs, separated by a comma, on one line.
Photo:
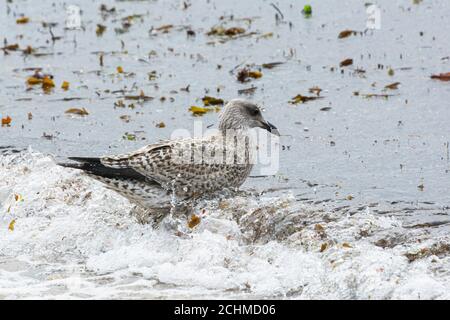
{"points": [[271, 128]]}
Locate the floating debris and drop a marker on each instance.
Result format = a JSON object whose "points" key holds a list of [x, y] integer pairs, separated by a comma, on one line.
{"points": [[6, 122], [437, 249], [315, 90], [45, 80], [211, 101], [245, 74], [23, 20], [77, 111], [271, 65], [152, 75], [199, 111], [185, 89], [392, 86], [374, 95], [165, 28], [194, 221], [125, 118], [129, 136], [47, 84], [65, 85], [33, 81], [28, 50], [347, 33], [161, 125], [320, 230], [47, 136], [11, 47], [11, 225], [442, 76], [266, 35], [119, 104], [359, 71], [307, 10], [104, 9], [346, 62], [100, 29], [140, 97], [221, 31], [279, 12], [302, 99], [248, 91], [70, 99]]}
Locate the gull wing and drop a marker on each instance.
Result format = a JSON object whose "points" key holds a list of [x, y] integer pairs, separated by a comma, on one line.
{"points": [[180, 165]]}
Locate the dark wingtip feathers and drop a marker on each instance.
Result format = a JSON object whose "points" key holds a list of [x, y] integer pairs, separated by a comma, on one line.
{"points": [[94, 167], [85, 160]]}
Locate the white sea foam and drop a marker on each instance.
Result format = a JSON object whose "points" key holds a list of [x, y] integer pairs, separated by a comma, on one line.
{"points": [[73, 238]]}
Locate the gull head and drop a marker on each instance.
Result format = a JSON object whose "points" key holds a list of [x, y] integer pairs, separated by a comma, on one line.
{"points": [[241, 114]]}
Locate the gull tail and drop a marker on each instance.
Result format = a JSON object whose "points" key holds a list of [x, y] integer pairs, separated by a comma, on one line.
{"points": [[127, 182], [94, 167]]}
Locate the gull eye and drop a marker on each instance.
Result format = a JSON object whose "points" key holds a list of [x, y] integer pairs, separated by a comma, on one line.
{"points": [[255, 112]]}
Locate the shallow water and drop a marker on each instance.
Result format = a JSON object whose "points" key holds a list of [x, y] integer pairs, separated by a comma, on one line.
{"points": [[73, 238]]}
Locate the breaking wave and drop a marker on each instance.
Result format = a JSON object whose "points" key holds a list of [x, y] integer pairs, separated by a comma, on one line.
{"points": [[63, 235]]}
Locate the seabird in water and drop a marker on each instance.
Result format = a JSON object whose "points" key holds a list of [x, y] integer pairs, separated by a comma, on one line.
{"points": [[183, 169]]}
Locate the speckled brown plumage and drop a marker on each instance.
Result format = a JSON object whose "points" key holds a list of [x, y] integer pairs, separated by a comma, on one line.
{"points": [[157, 175], [186, 177]]}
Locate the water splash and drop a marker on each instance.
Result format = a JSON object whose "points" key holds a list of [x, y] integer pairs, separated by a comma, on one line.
{"points": [[73, 238]]}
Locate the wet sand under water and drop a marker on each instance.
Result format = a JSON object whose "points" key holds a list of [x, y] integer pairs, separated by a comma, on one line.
{"points": [[358, 209]]}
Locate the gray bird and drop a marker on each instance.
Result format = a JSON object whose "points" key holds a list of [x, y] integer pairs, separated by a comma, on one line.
{"points": [[182, 169]]}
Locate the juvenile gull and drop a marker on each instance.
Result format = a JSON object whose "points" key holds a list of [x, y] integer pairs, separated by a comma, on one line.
{"points": [[182, 169]]}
